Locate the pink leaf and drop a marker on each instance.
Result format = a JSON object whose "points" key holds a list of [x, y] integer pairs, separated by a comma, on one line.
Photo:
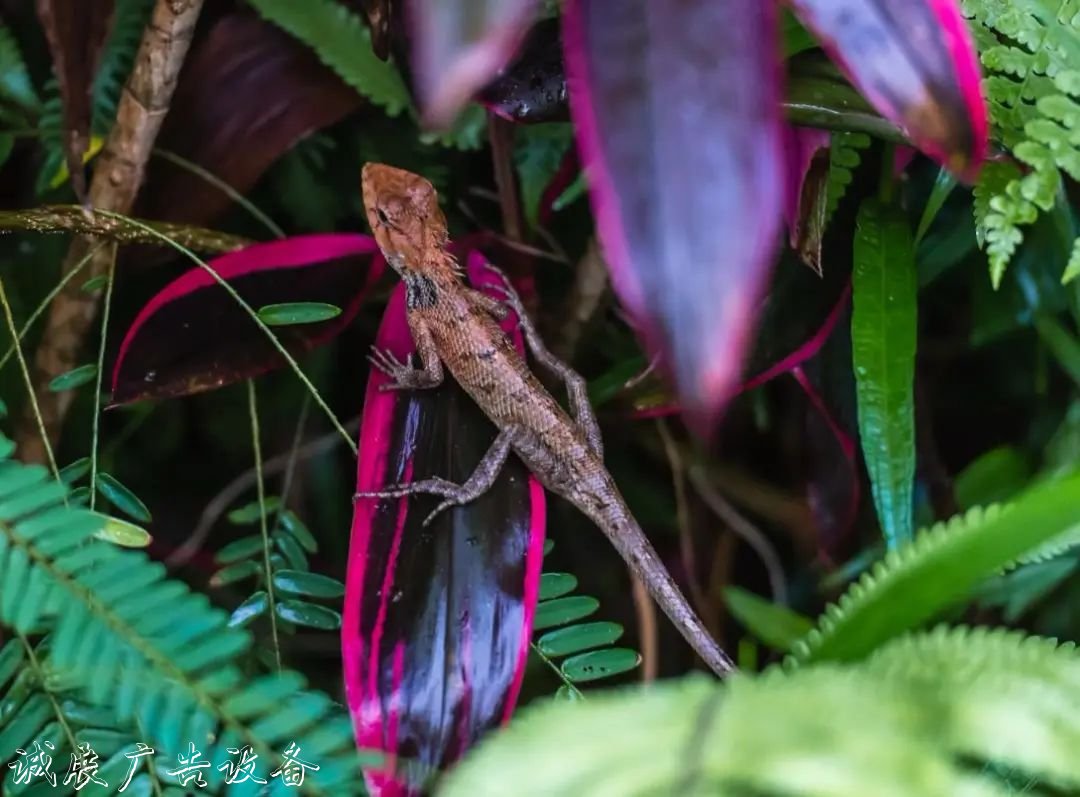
{"points": [[678, 124], [193, 336], [437, 620], [459, 46], [914, 60]]}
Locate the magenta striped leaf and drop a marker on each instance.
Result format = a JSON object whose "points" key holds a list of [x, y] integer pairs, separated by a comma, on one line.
{"points": [[437, 620], [916, 63], [192, 336], [678, 124], [460, 45]]}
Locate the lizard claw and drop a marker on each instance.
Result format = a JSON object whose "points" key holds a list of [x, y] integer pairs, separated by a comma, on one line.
{"points": [[400, 372]]}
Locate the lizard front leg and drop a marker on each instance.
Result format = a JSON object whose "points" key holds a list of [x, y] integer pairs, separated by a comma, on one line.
{"points": [[476, 485], [404, 375], [575, 384]]}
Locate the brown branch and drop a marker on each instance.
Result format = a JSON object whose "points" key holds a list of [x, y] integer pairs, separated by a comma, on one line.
{"points": [[117, 177], [590, 284], [72, 218], [648, 631]]}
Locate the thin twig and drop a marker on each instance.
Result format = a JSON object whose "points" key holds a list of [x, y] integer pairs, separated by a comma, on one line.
{"points": [[118, 173], [94, 436], [682, 520], [501, 137], [228, 496], [743, 528], [253, 411], [35, 409], [648, 631], [590, 285]]}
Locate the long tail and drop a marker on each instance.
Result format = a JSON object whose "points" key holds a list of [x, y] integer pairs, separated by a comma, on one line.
{"points": [[630, 541]]}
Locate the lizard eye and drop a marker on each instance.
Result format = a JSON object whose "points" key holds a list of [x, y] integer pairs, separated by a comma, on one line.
{"points": [[381, 215]]}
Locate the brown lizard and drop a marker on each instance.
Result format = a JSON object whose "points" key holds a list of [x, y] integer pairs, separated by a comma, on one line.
{"points": [[456, 326]]}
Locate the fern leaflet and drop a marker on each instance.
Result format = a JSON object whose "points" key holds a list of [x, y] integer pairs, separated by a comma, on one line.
{"points": [[1030, 55], [342, 42], [845, 154]]}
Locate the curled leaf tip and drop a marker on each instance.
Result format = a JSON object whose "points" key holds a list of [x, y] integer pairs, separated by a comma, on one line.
{"points": [[460, 46]]}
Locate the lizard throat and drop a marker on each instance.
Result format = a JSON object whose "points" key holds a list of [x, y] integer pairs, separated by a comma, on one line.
{"points": [[420, 291]]}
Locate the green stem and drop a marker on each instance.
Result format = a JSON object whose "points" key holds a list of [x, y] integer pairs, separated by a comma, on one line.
{"points": [[260, 488], [39, 671], [887, 181], [29, 384], [95, 433]]}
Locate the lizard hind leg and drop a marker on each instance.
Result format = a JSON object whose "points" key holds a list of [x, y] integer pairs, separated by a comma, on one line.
{"points": [[483, 476], [575, 383]]}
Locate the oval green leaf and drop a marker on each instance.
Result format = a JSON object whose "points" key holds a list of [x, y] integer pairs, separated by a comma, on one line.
{"points": [[240, 549], [237, 571], [69, 474], [313, 585], [250, 609], [883, 336], [250, 513], [292, 551], [775, 625], [74, 378], [120, 532], [79, 496], [122, 498], [563, 610], [576, 638], [600, 664], [296, 527], [555, 585], [303, 613], [297, 313]]}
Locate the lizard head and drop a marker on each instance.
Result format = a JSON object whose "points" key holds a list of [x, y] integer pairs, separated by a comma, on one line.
{"points": [[408, 225]]}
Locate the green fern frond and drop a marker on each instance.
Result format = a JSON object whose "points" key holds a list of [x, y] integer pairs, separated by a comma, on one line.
{"points": [[147, 647], [15, 84], [341, 41], [845, 154], [941, 566], [586, 646], [1030, 55], [1072, 268], [129, 20]]}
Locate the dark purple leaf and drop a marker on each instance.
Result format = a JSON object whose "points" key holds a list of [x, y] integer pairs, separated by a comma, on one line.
{"points": [[193, 336], [76, 31], [916, 63], [247, 94], [533, 87], [437, 620], [678, 123], [459, 46]]}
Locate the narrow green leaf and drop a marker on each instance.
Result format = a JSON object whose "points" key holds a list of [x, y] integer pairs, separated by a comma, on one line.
{"points": [[3, 409], [576, 638], [775, 625], [600, 664], [69, 474], [548, 545], [299, 582], [122, 498], [240, 549], [250, 513], [296, 527], [995, 476], [572, 194], [563, 610], [303, 613], [883, 333], [1062, 343], [74, 378], [237, 571], [297, 313], [120, 532], [79, 496], [95, 283], [943, 187], [250, 609], [555, 585], [11, 657], [538, 152]]}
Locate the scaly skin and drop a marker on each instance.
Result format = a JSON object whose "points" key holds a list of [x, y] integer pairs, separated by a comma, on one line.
{"points": [[457, 327]]}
